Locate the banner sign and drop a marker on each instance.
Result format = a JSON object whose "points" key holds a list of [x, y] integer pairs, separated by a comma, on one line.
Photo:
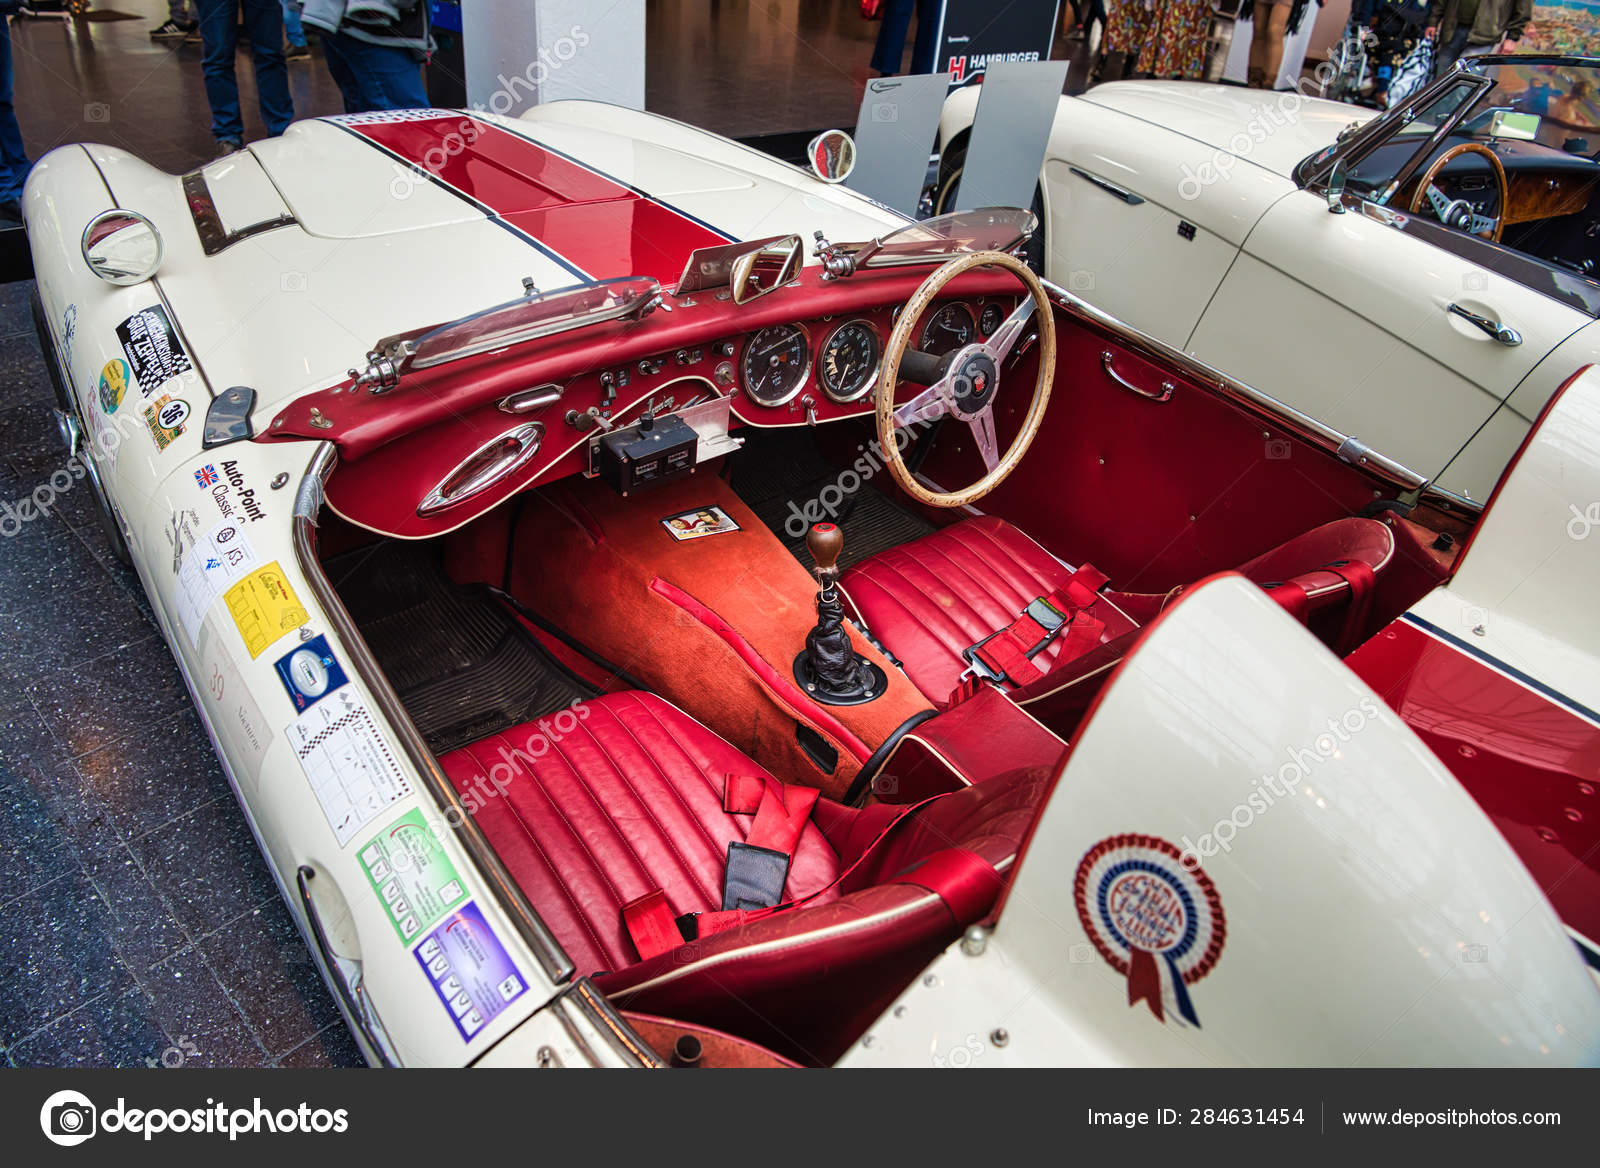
{"points": [[976, 33]]}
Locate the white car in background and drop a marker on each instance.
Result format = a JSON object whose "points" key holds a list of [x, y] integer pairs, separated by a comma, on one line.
{"points": [[1432, 317]]}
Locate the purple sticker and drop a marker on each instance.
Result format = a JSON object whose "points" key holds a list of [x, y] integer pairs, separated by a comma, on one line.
{"points": [[470, 970]]}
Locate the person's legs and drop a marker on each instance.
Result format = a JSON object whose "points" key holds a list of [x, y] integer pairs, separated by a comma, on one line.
{"points": [[14, 162], [1277, 27], [892, 31], [338, 51], [1449, 53], [219, 40], [394, 76], [263, 21], [291, 24], [925, 52]]}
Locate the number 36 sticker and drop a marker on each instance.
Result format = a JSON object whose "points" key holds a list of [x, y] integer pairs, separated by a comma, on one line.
{"points": [[165, 416]]}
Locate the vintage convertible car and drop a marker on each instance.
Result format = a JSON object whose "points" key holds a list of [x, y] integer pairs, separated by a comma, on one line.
{"points": [[579, 586], [1434, 320]]}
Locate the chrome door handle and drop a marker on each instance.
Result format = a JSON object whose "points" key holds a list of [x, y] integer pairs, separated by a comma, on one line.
{"points": [[484, 467], [1505, 334], [1109, 188], [346, 975], [1160, 395]]}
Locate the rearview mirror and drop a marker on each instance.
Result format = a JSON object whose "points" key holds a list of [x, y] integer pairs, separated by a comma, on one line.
{"points": [[1506, 123], [758, 272], [122, 247], [1336, 181], [832, 156]]}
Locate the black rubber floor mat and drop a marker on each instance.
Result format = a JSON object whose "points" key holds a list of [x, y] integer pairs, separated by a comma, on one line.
{"points": [[789, 485], [462, 666]]}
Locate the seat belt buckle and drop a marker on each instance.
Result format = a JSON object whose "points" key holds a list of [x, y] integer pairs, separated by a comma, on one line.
{"points": [[1050, 618], [977, 667], [1043, 613]]}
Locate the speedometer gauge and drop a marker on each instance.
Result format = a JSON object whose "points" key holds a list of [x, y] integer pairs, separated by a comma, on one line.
{"points": [[775, 364], [849, 361], [947, 330]]}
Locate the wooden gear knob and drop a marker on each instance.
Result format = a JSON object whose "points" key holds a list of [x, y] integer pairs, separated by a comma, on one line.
{"points": [[825, 542]]}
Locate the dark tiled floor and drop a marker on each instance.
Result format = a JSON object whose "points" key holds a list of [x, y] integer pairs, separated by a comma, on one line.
{"points": [[138, 925]]}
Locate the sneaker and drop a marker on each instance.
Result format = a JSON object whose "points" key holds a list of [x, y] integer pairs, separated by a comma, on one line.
{"points": [[227, 146], [172, 31], [297, 53]]}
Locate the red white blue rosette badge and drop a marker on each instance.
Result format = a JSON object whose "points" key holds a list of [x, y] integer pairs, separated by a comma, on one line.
{"points": [[1153, 918]]}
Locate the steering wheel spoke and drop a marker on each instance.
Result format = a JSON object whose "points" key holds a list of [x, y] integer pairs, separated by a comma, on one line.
{"points": [[930, 405], [982, 424], [1460, 214], [1005, 337]]}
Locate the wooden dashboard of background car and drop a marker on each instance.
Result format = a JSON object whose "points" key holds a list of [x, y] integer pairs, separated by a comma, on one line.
{"points": [[618, 376]]}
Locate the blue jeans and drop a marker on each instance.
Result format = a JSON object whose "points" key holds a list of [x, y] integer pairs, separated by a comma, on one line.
{"points": [[892, 36], [374, 77], [291, 24], [14, 164], [219, 42]]}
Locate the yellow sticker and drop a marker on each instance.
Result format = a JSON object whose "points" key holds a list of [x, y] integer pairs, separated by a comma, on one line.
{"points": [[264, 607]]}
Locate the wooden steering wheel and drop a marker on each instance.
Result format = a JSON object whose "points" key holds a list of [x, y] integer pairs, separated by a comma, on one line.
{"points": [[1460, 213], [965, 383]]}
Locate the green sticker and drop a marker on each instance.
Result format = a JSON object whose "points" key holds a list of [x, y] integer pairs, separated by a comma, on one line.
{"points": [[414, 879]]}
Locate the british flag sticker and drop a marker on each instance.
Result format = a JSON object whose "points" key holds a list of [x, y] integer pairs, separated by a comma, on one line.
{"points": [[1153, 917], [206, 476]]}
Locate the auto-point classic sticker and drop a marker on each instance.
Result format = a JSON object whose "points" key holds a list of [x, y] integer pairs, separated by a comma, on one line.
{"points": [[153, 349], [411, 875], [165, 416], [1153, 917], [264, 607], [114, 379], [469, 969], [310, 673]]}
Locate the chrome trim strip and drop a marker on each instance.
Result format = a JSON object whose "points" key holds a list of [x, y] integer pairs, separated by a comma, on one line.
{"points": [[1110, 188], [1268, 408], [214, 237], [513, 901]]}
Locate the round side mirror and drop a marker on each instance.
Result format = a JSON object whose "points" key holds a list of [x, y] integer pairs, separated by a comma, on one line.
{"points": [[832, 155], [122, 247]]}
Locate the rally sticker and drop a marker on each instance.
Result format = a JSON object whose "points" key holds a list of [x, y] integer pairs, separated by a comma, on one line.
{"points": [[350, 767], [310, 673], [153, 349], [412, 876], [470, 970], [1153, 917], [264, 607], [219, 558], [165, 416], [113, 384], [225, 483]]}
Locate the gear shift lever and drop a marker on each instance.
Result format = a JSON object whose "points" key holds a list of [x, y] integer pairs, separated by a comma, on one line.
{"points": [[828, 668]]}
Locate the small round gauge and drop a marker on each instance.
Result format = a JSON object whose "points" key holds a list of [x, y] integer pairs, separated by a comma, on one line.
{"points": [[947, 330], [991, 318], [775, 364], [848, 364]]}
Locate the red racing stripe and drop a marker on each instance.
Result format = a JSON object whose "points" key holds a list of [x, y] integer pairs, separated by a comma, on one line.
{"points": [[597, 224]]}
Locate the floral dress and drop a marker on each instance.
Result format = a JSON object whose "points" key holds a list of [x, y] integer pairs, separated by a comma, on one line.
{"points": [[1164, 38]]}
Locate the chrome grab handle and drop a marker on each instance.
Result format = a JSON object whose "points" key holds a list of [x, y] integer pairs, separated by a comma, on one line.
{"points": [[484, 467], [1160, 395], [525, 401], [1505, 334], [1110, 188], [352, 993]]}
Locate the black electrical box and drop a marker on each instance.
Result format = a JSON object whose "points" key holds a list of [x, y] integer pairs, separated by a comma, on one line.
{"points": [[654, 451]]}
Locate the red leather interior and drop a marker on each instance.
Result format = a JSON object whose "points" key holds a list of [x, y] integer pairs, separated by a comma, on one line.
{"points": [[628, 801], [927, 600], [631, 800]]}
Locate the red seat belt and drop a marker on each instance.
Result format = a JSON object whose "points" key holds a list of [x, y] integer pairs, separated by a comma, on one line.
{"points": [[967, 883], [651, 924], [1361, 579], [1012, 653], [1292, 597]]}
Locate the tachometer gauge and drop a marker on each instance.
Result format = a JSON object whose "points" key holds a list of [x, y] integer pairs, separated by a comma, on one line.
{"points": [[849, 361], [947, 330], [775, 364], [991, 318]]}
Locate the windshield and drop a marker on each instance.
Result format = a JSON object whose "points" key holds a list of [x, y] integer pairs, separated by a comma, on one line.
{"points": [[945, 236], [534, 316]]}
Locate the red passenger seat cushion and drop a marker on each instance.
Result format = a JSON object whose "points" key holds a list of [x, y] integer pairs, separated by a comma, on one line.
{"points": [[593, 809], [928, 600]]}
